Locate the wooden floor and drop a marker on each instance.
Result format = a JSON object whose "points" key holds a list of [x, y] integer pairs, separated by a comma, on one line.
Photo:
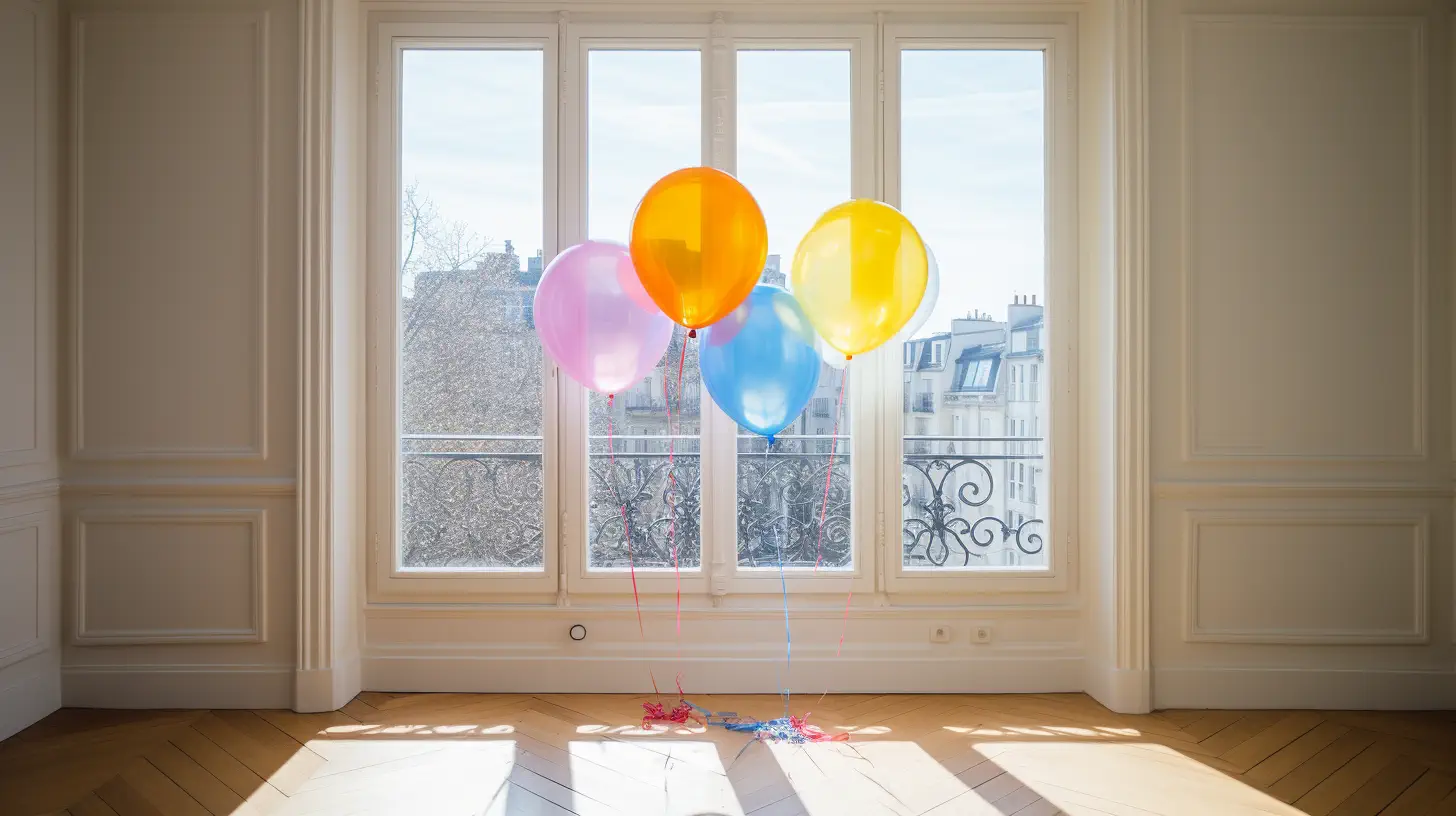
{"points": [[588, 754]]}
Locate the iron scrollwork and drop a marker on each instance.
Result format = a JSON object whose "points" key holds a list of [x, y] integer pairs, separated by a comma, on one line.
{"points": [[947, 517]]}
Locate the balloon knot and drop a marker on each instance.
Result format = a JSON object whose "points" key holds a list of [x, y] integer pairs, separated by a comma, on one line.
{"points": [[848, 357], [692, 332], [770, 440], [610, 397]]}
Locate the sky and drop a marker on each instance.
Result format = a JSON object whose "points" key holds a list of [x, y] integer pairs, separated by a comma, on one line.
{"points": [[971, 130]]}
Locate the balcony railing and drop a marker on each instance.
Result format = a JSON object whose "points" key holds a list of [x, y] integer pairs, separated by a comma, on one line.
{"points": [[477, 502], [645, 405], [924, 403]]}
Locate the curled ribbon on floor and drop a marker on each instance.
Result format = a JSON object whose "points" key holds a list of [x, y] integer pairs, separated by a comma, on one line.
{"points": [[786, 729], [680, 714]]}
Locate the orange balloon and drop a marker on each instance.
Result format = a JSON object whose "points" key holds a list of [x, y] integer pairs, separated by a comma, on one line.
{"points": [[698, 243]]}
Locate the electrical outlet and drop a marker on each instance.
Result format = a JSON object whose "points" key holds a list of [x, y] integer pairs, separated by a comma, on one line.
{"points": [[981, 634], [940, 633]]}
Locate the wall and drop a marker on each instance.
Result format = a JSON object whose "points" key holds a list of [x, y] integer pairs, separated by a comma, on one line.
{"points": [[180, 352], [29, 519], [1301, 400]]}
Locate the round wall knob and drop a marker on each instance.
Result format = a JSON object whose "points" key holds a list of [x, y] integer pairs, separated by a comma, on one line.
{"points": [[578, 632]]}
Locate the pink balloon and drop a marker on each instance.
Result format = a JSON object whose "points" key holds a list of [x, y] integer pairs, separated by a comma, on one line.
{"points": [[591, 324]]}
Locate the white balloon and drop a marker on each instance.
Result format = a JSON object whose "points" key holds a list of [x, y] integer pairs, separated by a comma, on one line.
{"points": [[927, 300], [932, 293], [833, 356]]}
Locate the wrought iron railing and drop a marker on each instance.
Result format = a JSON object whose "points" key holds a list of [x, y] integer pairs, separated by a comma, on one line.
{"points": [[476, 501], [951, 509], [687, 405]]}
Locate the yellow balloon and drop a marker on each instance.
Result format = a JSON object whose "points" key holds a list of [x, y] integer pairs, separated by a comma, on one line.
{"points": [[859, 273], [698, 242]]}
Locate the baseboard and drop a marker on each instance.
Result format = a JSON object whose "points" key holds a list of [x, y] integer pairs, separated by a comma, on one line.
{"points": [[178, 686], [27, 701], [484, 673], [1246, 688], [326, 689], [1122, 690]]}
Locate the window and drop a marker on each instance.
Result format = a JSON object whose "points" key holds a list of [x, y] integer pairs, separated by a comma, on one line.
{"points": [[472, 466], [981, 375], [497, 141], [794, 136], [656, 482]]}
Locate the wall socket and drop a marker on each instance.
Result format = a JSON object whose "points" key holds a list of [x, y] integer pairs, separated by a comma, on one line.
{"points": [[940, 633], [981, 634]]}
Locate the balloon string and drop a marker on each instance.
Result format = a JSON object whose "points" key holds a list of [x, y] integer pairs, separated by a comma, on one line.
{"points": [[672, 480], [788, 636], [849, 596], [627, 532], [833, 445]]}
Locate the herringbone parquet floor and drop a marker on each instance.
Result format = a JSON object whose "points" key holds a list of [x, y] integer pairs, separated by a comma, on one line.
{"points": [[588, 754]]}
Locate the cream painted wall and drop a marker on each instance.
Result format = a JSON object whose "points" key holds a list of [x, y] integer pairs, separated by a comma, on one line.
{"points": [[1301, 354], [180, 336], [29, 520], [1301, 365]]}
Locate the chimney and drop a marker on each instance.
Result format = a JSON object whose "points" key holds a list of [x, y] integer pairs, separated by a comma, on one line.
{"points": [[1022, 309]]}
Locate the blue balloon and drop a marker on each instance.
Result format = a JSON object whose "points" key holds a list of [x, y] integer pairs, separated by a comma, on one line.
{"points": [[760, 362]]}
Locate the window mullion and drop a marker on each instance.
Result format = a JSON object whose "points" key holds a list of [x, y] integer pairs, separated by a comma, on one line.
{"points": [[720, 446]]}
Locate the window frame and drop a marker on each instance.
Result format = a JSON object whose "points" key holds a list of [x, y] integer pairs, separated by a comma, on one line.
{"points": [[860, 397], [574, 429], [876, 424], [1058, 42], [387, 579]]}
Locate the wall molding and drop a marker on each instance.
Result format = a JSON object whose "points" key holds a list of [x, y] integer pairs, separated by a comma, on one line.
{"points": [[407, 668], [28, 700], [1195, 451], [212, 685], [1334, 689], [1419, 523], [624, 610], [179, 486], [329, 504], [78, 447], [256, 519], [45, 489], [1132, 322], [45, 581], [42, 448], [1253, 489]]}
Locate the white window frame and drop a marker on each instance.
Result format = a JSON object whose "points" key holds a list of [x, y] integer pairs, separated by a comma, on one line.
{"points": [[387, 580], [861, 397], [875, 417], [578, 575], [1058, 42]]}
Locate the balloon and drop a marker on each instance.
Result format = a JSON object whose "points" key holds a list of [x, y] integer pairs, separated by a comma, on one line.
{"points": [[590, 323], [765, 375], [927, 301], [699, 243], [831, 357], [860, 274]]}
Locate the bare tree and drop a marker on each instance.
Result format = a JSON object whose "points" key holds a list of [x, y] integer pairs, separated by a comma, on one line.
{"points": [[471, 367]]}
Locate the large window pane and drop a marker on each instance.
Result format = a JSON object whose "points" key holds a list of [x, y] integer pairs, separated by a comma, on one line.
{"points": [[643, 122], [470, 255], [973, 181], [794, 155]]}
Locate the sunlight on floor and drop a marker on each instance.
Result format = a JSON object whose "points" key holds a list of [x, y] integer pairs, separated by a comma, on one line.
{"points": [[690, 769]]}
